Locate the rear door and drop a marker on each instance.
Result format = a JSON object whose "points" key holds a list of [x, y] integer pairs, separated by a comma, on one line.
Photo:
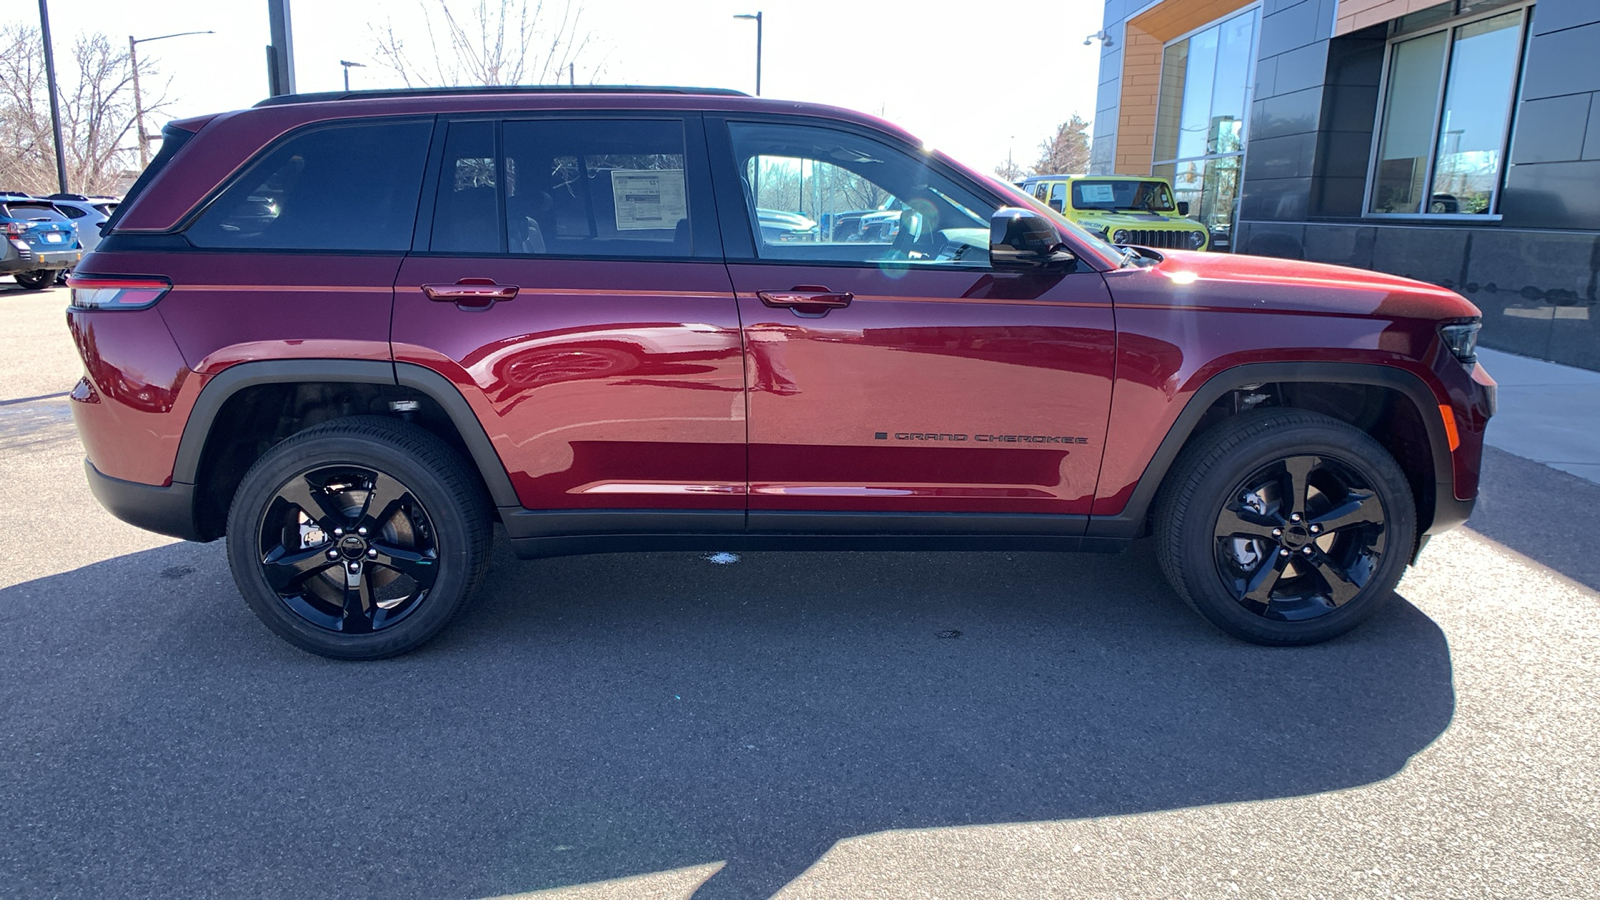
{"points": [[569, 280], [901, 375]]}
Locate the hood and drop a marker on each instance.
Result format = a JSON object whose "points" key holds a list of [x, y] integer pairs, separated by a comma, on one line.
{"points": [[1227, 281]]}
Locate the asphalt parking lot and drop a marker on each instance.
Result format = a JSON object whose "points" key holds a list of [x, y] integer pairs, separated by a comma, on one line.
{"points": [[635, 725]]}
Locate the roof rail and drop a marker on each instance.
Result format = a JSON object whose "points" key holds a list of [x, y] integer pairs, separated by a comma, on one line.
{"points": [[326, 96]]}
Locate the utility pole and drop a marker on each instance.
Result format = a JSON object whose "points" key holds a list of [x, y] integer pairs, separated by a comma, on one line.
{"points": [[280, 53], [757, 17], [348, 65], [55, 98], [138, 101], [572, 77]]}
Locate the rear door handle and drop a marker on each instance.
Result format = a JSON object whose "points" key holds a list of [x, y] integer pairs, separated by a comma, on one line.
{"points": [[470, 292], [807, 299]]}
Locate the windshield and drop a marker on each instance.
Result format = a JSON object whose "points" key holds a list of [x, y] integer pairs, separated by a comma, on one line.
{"points": [[1153, 196]]}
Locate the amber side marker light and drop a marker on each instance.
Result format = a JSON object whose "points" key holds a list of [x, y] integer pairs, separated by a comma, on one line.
{"points": [[96, 293], [1450, 432]]}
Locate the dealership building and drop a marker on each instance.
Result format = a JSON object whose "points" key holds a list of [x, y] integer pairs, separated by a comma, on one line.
{"points": [[1456, 142]]}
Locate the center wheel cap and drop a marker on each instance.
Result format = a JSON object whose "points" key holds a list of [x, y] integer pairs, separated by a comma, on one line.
{"points": [[1295, 537], [352, 546]]}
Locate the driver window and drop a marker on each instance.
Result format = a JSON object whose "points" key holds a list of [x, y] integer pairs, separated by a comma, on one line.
{"points": [[821, 196]]}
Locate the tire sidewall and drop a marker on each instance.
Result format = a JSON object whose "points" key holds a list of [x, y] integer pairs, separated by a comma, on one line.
{"points": [[1353, 449], [315, 451]]}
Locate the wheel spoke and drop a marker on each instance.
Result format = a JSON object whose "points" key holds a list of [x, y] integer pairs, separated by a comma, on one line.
{"points": [[1234, 521], [1298, 469], [286, 571], [1261, 582], [383, 500], [1342, 586], [422, 568], [360, 604], [1359, 508], [315, 502]]}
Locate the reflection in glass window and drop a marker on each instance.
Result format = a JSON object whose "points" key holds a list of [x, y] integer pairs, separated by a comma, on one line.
{"points": [[819, 195], [1200, 115], [1442, 152]]}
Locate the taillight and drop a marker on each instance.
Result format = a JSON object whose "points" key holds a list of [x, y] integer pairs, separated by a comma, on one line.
{"points": [[102, 292], [16, 228]]}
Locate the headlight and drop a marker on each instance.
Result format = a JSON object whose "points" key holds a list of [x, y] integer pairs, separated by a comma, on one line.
{"points": [[1462, 339], [1121, 237], [1197, 239]]}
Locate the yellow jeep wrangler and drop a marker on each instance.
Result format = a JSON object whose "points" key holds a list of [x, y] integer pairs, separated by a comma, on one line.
{"points": [[1123, 209]]}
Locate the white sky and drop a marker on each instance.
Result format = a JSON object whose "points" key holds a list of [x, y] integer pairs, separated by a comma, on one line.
{"points": [[974, 79]]}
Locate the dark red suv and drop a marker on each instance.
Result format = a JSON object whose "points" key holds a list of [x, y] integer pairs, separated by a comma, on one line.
{"points": [[350, 332]]}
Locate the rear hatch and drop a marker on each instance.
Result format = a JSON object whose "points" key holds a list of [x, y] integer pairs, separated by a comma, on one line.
{"points": [[39, 225]]}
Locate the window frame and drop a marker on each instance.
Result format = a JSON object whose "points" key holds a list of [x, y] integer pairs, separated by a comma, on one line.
{"points": [[1513, 100], [705, 236]]}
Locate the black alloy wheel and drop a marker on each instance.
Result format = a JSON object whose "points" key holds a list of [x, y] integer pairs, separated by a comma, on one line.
{"points": [[348, 549], [1282, 526], [1300, 537], [360, 538]]}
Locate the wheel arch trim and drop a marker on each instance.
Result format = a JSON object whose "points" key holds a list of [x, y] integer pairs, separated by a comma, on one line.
{"points": [[1130, 521], [230, 381]]}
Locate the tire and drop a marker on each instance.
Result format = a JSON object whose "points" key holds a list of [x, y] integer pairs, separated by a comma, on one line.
{"points": [[1283, 527], [34, 281], [396, 576]]}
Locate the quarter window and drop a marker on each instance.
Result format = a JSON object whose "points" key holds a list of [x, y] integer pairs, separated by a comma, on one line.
{"points": [[339, 188], [1446, 116]]}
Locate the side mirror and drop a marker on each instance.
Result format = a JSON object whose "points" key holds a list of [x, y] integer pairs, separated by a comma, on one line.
{"points": [[1056, 204], [1020, 239], [1183, 207]]}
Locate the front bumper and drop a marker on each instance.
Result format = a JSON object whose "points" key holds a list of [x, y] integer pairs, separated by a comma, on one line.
{"points": [[165, 510]]}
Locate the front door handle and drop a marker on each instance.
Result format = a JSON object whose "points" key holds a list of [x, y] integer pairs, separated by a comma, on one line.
{"points": [[807, 299], [470, 292]]}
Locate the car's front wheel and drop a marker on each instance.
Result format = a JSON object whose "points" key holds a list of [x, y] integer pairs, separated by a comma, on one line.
{"points": [[358, 539], [34, 281], [1285, 527]]}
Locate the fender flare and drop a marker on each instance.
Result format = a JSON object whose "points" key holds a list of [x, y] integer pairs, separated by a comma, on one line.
{"points": [[1447, 511], [230, 381]]}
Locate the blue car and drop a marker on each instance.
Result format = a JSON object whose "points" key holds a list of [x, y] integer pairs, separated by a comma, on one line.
{"points": [[39, 241]]}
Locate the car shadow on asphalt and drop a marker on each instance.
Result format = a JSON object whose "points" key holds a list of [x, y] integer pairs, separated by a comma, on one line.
{"points": [[1547, 515], [605, 716]]}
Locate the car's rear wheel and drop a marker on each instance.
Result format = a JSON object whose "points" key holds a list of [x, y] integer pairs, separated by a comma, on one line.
{"points": [[34, 281], [359, 539], [1285, 527]]}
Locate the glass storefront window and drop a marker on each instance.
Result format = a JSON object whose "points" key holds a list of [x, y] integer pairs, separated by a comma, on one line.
{"points": [[1441, 152], [1200, 116]]}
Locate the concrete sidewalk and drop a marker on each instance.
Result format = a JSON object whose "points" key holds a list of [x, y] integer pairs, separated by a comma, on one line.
{"points": [[1549, 413]]}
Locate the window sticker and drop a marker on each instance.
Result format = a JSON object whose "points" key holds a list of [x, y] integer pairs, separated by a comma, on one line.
{"points": [[1098, 193], [648, 198]]}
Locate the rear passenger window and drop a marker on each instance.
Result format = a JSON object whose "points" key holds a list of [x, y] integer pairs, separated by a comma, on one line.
{"points": [[344, 187], [565, 188]]}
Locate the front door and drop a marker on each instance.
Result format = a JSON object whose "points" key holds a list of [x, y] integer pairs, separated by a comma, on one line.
{"points": [[891, 370], [571, 284]]}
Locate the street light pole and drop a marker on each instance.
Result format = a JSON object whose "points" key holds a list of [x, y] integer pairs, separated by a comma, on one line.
{"points": [[138, 100], [55, 98], [348, 65], [757, 17]]}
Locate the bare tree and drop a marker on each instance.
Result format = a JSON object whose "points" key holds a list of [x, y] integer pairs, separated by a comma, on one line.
{"points": [[1009, 171], [501, 42], [1067, 153], [97, 114]]}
